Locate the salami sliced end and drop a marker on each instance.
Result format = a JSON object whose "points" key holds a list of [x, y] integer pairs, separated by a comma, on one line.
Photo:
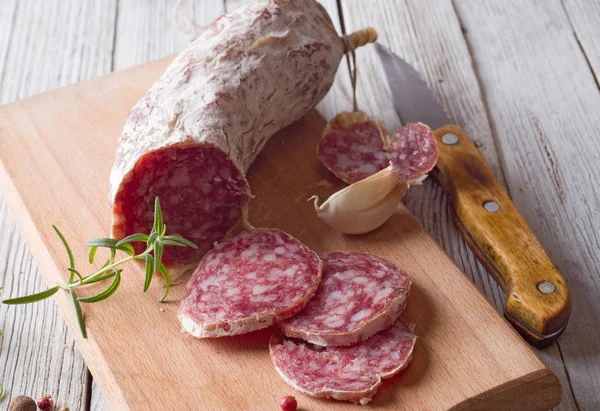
{"points": [[352, 146], [414, 152], [249, 282], [201, 193], [345, 373], [360, 295]]}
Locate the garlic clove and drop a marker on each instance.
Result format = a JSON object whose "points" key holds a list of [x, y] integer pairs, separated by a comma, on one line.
{"points": [[365, 205]]}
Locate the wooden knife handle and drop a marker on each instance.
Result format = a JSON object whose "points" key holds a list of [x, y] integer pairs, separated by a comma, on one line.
{"points": [[537, 298]]}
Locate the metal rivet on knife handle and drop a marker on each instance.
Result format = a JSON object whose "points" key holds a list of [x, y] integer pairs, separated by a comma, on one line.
{"points": [[450, 139], [491, 206], [546, 287]]}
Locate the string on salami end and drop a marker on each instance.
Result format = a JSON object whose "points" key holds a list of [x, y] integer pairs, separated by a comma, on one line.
{"points": [[351, 42]]}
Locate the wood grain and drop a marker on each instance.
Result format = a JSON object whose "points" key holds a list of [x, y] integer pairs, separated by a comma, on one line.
{"points": [[43, 45], [584, 16], [543, 102], [465, 350], [502, 241], [430, 36]]}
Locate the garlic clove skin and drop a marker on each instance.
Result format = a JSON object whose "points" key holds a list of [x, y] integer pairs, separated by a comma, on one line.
{"points": [[365, 205]]}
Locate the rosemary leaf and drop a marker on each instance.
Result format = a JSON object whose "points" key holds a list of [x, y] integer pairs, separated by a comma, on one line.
{"points": [[165, 274], [158, 252], [110, 243], [149, 271], [99, 278], [32, 298], [133, 238], [93, 254], [69, 252], [173, 242], [79, 313], [74, 272], [106, 293], [158, 217], [153, 238], [181, 240]]}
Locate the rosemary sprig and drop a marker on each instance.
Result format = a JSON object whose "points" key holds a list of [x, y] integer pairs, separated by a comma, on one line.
{"points": [[151, 257]]}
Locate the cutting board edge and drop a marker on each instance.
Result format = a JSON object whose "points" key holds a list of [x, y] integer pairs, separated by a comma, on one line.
{"points": [[522, 393]]}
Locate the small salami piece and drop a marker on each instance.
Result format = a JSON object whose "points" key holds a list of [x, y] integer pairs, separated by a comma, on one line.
{"points": [[414, 152], [345, 373], [249, 282], [360, 295], [353, 146]]}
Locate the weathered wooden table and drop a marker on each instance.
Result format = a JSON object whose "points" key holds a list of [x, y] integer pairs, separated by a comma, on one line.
{"points": [[521, 76]]}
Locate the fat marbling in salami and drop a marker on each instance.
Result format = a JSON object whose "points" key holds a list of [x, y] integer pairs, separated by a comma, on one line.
{"points": [[344, 373], [360, 295], [353, 146], [248, 282]]}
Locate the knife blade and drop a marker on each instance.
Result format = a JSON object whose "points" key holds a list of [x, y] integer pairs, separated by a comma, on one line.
{"points": [[537, 299]]}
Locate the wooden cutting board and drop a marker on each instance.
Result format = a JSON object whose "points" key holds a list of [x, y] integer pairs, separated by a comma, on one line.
{"points": [[56, 151]]}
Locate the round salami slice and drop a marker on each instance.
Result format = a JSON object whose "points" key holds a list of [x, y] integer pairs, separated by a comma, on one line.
{"points": [[345, 373], [249, 282], [414, 152], [360, 295], [353, 146]]}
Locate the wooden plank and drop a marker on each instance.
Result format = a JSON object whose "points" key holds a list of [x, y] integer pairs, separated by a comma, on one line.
{"points": [[465, 353], [43, 45], [428, 35], [584, 16], [543, 101]]}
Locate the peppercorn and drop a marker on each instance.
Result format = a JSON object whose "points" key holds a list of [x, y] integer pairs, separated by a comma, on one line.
{"points": [[45, 403], [288, 403], [22, 403]]}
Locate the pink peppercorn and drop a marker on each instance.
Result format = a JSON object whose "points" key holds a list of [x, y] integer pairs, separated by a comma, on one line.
{"points": [[288, 403], [45, 403]]}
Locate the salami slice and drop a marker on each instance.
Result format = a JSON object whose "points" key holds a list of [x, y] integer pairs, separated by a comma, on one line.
{"points": [[352, 146], [414, 152], [345, 373], [249, 282], [191, 139], [360, 295]]}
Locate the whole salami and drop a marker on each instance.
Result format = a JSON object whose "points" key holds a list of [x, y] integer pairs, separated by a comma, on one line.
{"points": [[248, 282], [360, 295], [191, 139], [345, 373]]}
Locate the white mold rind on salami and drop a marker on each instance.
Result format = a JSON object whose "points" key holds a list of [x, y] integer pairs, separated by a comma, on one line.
{"points": [[360, 295], [191, 139], [345, 373], [247, 283]]}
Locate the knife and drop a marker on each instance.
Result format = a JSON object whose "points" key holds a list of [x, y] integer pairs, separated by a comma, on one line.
{"points": [[537, 299]]}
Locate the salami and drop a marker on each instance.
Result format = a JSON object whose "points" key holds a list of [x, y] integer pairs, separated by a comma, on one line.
{"points": [[413, 152], [191, 139], [360, 295], [354, 147], [249, 282], [345, 373]]}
